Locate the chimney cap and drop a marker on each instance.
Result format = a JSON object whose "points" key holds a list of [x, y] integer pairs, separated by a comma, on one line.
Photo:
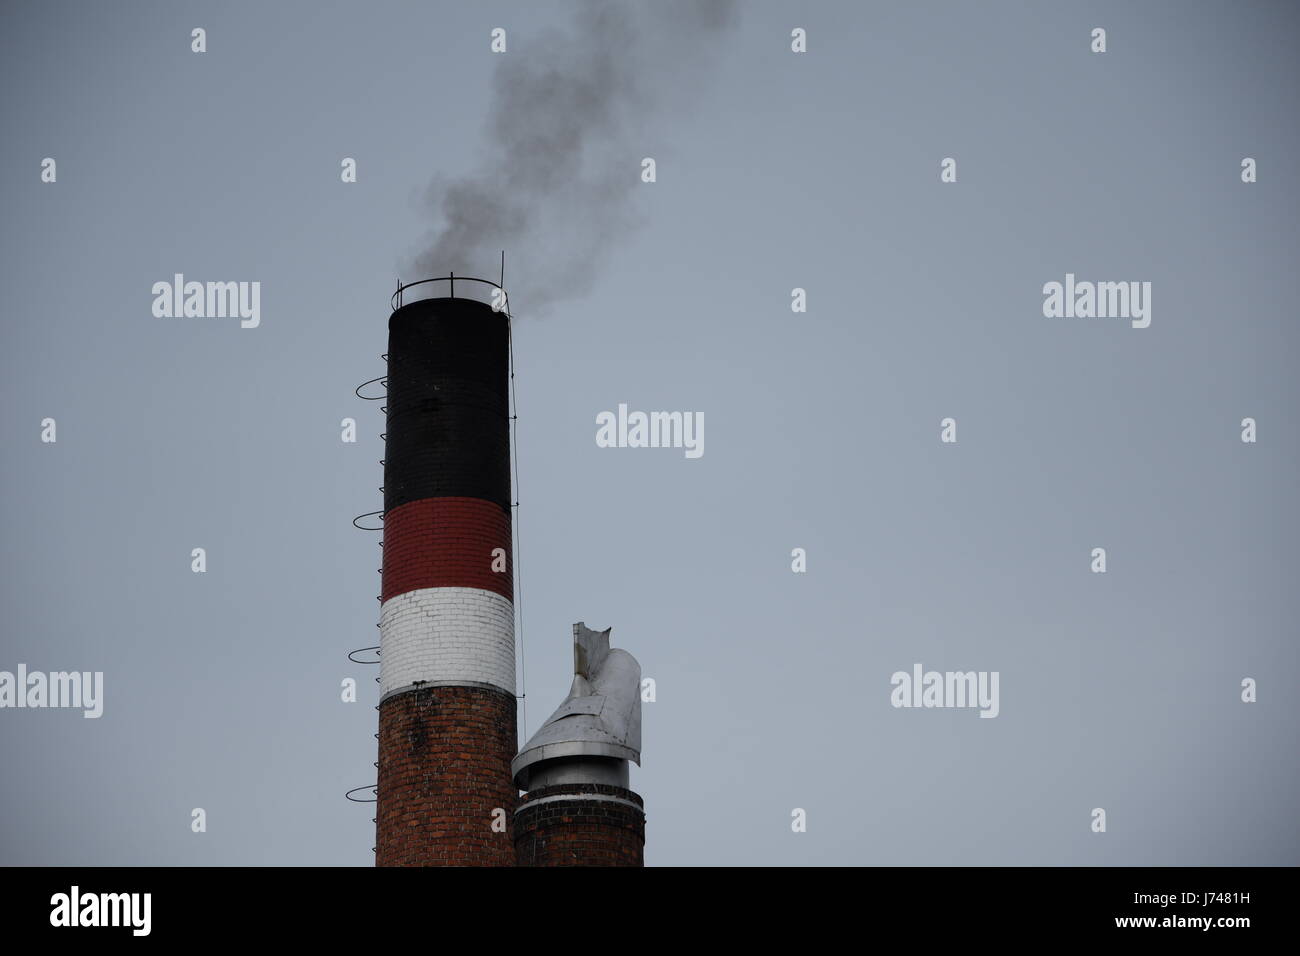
{"points": [[601, 716]]}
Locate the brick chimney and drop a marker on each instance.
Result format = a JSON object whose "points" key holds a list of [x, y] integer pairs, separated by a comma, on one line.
{"points": [[447, 649], [579, 809]]}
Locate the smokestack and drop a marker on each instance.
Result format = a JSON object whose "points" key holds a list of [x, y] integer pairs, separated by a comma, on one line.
{"points": [[579, 809], [447, 647]]}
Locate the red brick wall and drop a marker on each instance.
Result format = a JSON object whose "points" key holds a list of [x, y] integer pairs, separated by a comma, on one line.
{"points": [[580, 832], [446, 543], [444, 766]]}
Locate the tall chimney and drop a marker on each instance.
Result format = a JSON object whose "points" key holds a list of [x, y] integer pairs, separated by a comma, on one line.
{"points": [[447, 648]]}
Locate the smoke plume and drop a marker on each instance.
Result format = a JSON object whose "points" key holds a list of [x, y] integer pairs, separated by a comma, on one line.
{"points": [[572, 114]]}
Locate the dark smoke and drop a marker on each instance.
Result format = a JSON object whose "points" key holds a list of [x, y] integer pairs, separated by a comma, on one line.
{"points": [[572, 114]]}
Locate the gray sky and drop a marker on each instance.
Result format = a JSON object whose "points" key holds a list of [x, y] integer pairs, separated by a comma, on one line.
{"points": [[820, 170]]}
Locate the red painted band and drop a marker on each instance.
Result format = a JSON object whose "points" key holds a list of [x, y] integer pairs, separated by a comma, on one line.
{"points": [[447, 543]]}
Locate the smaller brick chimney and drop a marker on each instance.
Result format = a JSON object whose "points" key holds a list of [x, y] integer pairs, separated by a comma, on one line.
{"points": [[579, 810]]}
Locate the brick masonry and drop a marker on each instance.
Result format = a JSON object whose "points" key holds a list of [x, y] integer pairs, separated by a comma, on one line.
{"points": [[452, 451], [447, 635], [435, 340], [447, 398], [447, 618], [446, 542], [444, 768], [579, 828]]}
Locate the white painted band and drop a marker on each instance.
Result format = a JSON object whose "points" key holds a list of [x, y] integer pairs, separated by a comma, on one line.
{"points": [[447, 636]]}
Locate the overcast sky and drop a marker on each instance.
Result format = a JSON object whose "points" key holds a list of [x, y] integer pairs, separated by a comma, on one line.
{"points": [[775, 171]]}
